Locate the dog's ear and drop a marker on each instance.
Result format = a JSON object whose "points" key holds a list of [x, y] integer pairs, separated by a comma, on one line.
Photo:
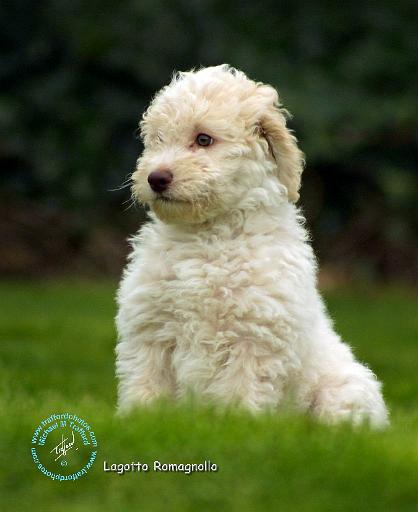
{"points": [[281, 142]]}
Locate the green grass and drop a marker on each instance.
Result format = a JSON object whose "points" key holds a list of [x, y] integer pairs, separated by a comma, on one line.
{"points": [[57, 342]]}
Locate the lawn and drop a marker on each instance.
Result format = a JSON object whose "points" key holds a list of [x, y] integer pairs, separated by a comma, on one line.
{"points": [[57, 342]]}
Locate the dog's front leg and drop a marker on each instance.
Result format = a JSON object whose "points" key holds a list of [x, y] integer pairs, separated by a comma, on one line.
{"points": [[144, 371], [249, 379], [145, 338]]}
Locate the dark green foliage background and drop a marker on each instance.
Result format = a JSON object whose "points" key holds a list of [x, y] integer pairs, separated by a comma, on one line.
{"points": [[76, 76]]}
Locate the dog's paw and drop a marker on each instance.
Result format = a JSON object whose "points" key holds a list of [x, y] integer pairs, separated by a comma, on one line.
{"points": [[136, 397], [356, 400]]}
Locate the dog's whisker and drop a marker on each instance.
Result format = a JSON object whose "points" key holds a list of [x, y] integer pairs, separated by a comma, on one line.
{"points": [[131, 202], [125, 184]]}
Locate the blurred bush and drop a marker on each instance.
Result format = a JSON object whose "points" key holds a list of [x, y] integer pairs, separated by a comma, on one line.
{"points": [[76, 76]]}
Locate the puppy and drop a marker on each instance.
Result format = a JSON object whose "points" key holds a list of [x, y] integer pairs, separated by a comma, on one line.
{"points": [[219, 297]]}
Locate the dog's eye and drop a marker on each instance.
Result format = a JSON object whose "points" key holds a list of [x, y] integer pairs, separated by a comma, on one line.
{"points": [[204, 140]]}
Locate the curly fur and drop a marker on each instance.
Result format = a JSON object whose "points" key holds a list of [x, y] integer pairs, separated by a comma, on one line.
{"points": [[219, 296]]}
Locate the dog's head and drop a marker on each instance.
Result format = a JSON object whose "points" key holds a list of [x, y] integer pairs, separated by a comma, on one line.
{"points": [[210, 138]]}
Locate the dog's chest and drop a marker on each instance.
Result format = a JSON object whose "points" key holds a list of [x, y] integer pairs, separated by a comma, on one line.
{"points": [[215, 282], [203, 270]]}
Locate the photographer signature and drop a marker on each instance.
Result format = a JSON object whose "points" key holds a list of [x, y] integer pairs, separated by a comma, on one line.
{"points": [[63, 447]]}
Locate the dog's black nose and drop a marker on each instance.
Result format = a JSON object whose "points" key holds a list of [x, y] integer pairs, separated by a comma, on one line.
{"points": [[159, 180]]}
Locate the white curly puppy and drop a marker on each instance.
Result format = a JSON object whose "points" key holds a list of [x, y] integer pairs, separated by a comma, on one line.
{"points": [[219, 296]]}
